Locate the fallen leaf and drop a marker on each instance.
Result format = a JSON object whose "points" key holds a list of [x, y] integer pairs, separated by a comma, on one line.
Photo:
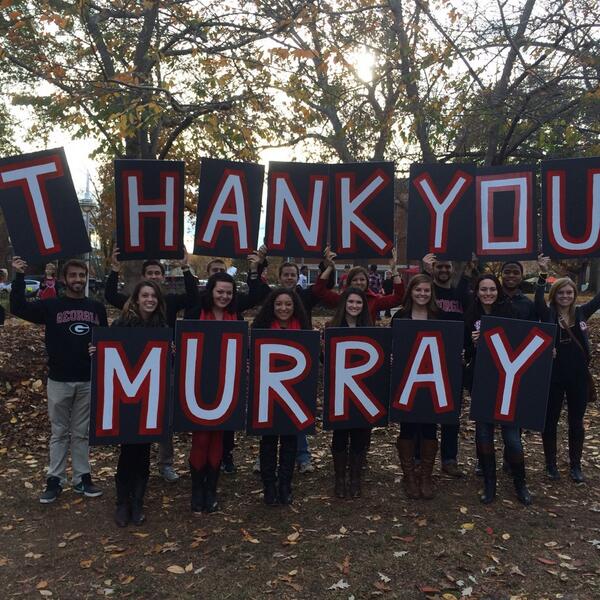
{"points": [[545, 561], [85, 564], [339, 585], [176, 569], [41, 585], [248, 537]]}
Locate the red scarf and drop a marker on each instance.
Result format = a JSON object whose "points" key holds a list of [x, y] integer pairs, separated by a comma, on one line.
{"points": [[210, 316], [293, 323]]}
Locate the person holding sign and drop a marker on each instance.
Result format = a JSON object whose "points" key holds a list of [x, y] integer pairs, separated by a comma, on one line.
{"points": [[281, 310], [352, 311], [571, 376], [489, 300], [69, 320], [419, 304], [145, 308], [218, 304], [154, 270], [358, 277]]}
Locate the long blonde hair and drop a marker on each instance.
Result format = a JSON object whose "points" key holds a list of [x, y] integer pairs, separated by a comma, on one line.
{"points": [[556, 287]]}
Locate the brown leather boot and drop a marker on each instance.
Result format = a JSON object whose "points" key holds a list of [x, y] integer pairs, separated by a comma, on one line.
{"points": [[428, 453], [406, 454]]}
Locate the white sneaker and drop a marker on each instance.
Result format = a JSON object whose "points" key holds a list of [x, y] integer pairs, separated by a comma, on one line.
{"points": [[169, 474], [306, 467]]}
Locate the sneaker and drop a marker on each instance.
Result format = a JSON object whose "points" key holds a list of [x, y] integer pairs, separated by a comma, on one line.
{"points": [[87, 488], [306, 467], [256, 466], [52, 491], [228, 466], [169, 474]]}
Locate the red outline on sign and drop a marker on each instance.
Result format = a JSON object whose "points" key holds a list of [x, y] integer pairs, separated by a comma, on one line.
{"points": [[338, 213], [228, 204], [549, 200], [333, 341], [289, 384], [159, 214], [22, 183], [142, 393], [221, 369]]}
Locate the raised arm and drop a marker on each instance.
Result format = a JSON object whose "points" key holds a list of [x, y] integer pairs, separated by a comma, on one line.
{"points": [[320, 291], [397, 296], [541, 308], [29, 311], [111, 289]]}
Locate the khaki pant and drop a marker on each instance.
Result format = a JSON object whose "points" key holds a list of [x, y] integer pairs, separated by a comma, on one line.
{"points": [[69, 412]]}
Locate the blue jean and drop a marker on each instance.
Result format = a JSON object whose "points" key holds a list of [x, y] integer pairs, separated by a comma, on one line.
{"points": [[302, 451], [511, 435]]}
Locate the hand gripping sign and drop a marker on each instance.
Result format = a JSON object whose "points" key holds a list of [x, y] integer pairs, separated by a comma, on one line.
{"points": [[210, 375], [283, 381], [512, 372], [571, 207], [149, 208], [356, 377], [228, 213], [426, 371], [40, 206], [130, 385]]}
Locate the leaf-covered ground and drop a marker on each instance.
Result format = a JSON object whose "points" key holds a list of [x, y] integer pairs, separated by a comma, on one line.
{"points": [[321, 547]]}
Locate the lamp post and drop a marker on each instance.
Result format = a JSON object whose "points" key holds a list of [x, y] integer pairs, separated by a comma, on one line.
{"points": [[87, 205]]}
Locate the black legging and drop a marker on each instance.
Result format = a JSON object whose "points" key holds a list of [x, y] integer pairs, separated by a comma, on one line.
{"points": [[357, 439], [134, 462]]}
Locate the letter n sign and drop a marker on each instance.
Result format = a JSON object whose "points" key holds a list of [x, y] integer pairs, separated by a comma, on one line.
{"points": [[130, 401], [426, 371], [512, 372], [283, 382], [149, 208], [40, 207]]}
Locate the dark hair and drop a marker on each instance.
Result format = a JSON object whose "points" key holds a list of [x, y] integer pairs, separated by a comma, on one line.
{"points": [[74, 262], [331, 279], [266, 315], [207, 298], [512, 262], [407, 304], [339, 317], [499, 308], [131, 311], [283, 265], [373, 268], [152, 263]]}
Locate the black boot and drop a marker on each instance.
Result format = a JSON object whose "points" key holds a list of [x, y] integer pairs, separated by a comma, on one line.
{"points": [[268, 469], [575, 452], [549, 441], [517, 467], [137, 500], [198, 485], [287, 461], [210, 491], [340, 462], [487, 459], [123, 504], [356, 462]]}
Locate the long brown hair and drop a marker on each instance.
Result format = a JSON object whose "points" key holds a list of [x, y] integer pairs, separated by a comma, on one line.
{"points": [[339, 317], [131, 311], [407, 304], [556, 287]]}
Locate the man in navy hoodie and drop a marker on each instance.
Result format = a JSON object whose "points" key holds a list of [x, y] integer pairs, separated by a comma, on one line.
{"points": [[69, 321]]}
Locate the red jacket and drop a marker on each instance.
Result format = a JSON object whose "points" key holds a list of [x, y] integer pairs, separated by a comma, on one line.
{"points": [[376, 302]]}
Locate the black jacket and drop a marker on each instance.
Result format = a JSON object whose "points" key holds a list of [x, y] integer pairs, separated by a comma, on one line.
{"points": [[69, 323]]}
